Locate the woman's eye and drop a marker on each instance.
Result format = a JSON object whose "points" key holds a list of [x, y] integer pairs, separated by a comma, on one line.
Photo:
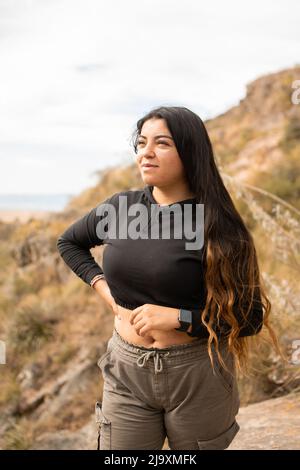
{"points": [[160, 142]]}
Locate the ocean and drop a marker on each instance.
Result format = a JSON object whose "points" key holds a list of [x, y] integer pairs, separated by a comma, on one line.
{"points": [[32, 202]]}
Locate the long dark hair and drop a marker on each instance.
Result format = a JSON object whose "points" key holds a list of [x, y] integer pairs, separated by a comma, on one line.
{"points": [[232, 275]]}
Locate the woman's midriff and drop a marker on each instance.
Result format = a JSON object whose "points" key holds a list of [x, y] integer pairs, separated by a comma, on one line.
{"points": [[154, 339]]}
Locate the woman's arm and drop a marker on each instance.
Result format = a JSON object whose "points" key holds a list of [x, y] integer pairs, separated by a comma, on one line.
{"points": [[101, 287], [75, 242]]}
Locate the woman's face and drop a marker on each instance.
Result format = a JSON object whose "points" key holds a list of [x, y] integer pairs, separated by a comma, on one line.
{"points": [[159, 151]]}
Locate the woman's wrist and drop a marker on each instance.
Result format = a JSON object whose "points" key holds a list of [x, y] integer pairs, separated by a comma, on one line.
{"points": [[174, 318], [104, 292], [176, 322], [96, 278]]}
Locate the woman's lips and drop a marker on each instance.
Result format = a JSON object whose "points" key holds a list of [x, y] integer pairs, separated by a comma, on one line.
{"points": [[150, 167]]}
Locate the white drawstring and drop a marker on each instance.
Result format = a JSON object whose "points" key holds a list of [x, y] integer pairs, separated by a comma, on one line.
{"points": [[158, 364]]}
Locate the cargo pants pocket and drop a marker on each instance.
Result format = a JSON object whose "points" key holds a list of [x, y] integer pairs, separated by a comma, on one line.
{"points": [[101, 358], [104, 428], [222, 441], [105, 354]]}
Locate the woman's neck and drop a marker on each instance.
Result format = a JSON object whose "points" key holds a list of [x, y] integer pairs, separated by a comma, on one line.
{"points": [[165, 195]]}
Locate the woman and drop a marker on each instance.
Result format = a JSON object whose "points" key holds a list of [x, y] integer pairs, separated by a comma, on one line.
{"points": [[182, 316]]}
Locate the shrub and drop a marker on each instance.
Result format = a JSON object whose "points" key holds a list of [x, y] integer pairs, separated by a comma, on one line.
{"points": [[19, 436], [29, 330]]}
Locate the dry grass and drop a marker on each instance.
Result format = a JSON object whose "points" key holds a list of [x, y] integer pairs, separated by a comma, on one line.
{"points": [[19, 436]]}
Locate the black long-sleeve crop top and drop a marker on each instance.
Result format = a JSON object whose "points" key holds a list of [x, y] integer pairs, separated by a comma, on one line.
{"points": [[144, 269]]}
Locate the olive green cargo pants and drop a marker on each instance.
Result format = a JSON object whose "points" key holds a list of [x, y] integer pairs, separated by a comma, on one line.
{"points": [[150, 394]]}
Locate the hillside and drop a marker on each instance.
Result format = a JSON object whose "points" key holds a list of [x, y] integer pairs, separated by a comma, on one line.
{"points": [[257, 141]]}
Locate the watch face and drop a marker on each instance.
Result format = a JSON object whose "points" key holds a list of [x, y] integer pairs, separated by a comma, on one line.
{"points": [[186, 316]]}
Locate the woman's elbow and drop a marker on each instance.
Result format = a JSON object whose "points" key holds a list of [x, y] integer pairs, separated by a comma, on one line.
{"points": [[61, 244]]}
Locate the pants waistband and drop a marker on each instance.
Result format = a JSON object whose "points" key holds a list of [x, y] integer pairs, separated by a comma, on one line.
{"points": [[143, 354]]}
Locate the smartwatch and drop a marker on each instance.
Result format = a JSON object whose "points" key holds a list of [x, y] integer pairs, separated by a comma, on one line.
{"points": [[185, 319]]}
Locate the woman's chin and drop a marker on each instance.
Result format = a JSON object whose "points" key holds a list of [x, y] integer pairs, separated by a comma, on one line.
{"points": [[149, 179]]}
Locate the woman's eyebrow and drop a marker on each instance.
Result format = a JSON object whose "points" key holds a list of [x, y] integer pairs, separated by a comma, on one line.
{"points": [[157, 136]]}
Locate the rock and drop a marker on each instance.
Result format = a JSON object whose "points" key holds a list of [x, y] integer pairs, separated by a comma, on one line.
{"points": [[55, 393], [32, 249], [83, 439], [29, 374], [269, 425]]}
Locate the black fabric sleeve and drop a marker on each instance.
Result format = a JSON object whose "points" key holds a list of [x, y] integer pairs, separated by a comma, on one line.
{"points": [[251, 327], [75, 242], [199, 329], [254, 323]]}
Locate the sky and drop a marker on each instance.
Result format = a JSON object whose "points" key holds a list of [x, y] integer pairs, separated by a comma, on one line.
{"points": [[76, 75]]}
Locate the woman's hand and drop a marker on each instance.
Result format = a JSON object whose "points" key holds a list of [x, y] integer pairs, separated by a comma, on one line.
{"points": [[154, 317]]}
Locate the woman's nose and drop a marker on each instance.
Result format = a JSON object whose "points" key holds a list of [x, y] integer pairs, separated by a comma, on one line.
{"points": [[146, 152]]}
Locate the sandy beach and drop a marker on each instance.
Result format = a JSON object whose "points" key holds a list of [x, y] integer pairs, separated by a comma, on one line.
{"points": [[21, 215]]}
